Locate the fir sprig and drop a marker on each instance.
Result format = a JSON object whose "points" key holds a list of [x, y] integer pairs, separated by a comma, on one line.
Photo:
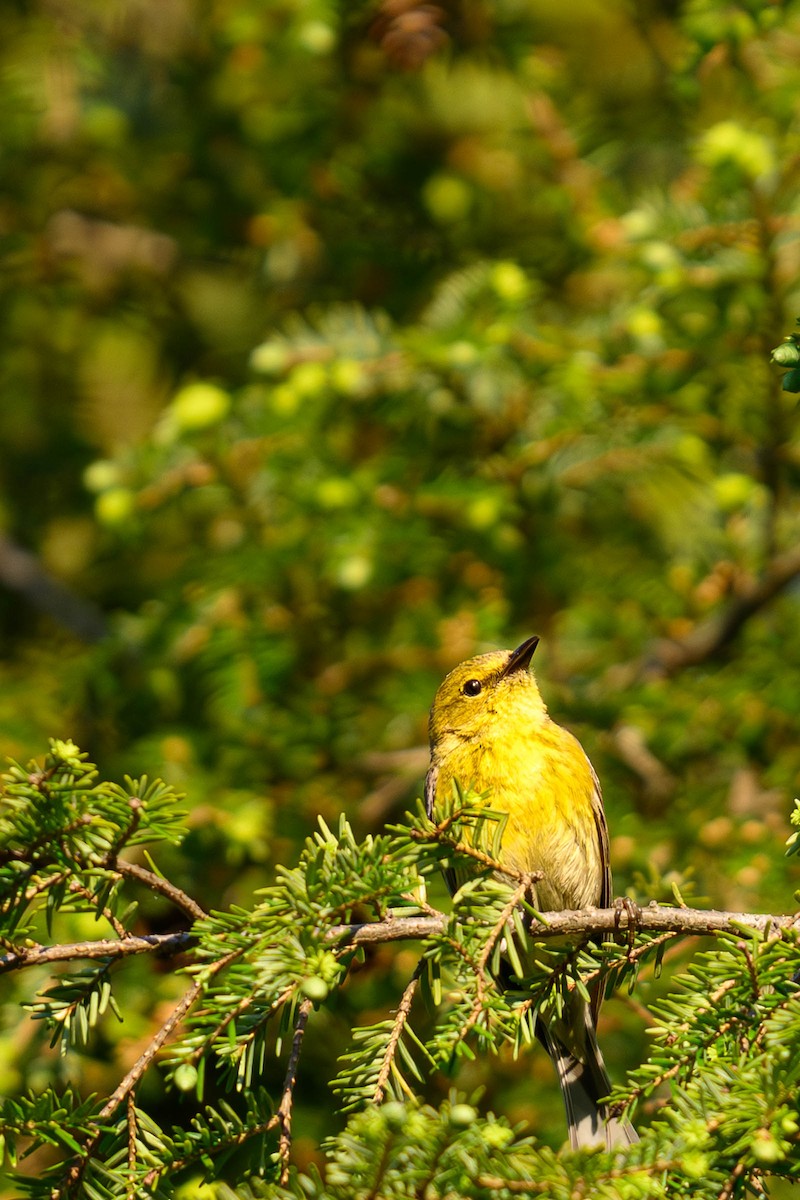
{"points": [[724, 1073]]}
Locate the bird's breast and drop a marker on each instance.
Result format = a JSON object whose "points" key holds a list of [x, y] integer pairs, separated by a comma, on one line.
{"points": [[545, 785]]}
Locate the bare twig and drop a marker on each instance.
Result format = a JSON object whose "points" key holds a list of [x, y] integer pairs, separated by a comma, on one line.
{"points": [[157, 883], [131, 1107], [144, 1060], [79, 889], [283, 1117], [110, 948], [588, 922]]}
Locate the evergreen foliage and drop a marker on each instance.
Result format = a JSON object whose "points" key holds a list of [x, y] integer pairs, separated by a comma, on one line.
{"points": [[342, 341], [725, 1065]]}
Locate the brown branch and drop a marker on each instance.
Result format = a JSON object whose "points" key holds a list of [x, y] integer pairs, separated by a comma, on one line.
{"points": [[131, 1111], [440, 836], [34, 890], [157, 883], [79, 889], [709, 637], [180, 1164], [732, 1180], [146, 1057], [283, 1117], [482, 982], [631, 955], [112, 948], [400, 1020], [590, 922], [242, 1007], [125, 1087]]}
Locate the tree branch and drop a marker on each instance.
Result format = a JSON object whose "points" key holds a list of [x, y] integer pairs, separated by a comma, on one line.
{"points": [[22, 572], [157, 883], [587, 921], [666, 658], [283, 1117], [76, 1172], [36, 956], [400, 1022]]}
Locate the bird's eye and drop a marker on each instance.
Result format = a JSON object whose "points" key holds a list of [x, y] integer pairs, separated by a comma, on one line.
{"points": [[473, 687]]}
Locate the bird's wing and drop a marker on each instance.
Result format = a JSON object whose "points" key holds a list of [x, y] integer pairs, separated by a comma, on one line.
{"points": [[606, 892], [450, 877], [430, 788], [602, 841]]}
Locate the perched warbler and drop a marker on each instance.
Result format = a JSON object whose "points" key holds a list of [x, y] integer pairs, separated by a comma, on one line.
{"points": [[490, 732]]}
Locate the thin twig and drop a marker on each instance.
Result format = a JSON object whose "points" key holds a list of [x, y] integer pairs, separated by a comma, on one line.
{"points": [[400, 1021], [630, 956], [29, 853], [131, 1106], [234, 1013], [731, 1181], [79, 889], [135, 805], [145, 1059], [283, 1117], [438, 834], [180, 1164], [111, 948], [157, 883], [35, 889], [126, 1085], [498, 930]]}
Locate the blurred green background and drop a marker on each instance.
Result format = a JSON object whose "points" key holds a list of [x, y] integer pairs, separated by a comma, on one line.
{"points": [[342, 341]]}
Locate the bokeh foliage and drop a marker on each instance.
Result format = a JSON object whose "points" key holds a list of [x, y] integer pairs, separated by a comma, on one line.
{"points": [[342, 341]]}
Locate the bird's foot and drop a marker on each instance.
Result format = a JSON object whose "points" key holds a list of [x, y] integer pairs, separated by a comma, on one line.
{"points": [[633, 914]]}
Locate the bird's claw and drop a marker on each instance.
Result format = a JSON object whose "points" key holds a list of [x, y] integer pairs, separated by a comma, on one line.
{"points": [[633, 915]]}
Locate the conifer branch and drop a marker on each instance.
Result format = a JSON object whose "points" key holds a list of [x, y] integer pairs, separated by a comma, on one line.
{"points": [[283, 1117], [130, 1103], [400, 1021], [126, 1086], [157, 883], [76, 888], [632, 954], [439, 835], [483, 980], [106, 948], [589, 922]]}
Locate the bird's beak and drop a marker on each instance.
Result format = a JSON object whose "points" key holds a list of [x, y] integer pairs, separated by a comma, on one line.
{"points": [[521, 657]]}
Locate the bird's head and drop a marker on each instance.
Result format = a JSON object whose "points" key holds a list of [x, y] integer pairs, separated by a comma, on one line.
{"points": [[485, 690]]}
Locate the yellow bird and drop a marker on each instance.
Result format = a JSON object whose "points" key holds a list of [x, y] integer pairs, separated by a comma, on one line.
{"points": [[490, 732]]}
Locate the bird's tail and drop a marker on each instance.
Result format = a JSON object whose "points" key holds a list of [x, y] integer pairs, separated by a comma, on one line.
{"points": [[584, 1083]]}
